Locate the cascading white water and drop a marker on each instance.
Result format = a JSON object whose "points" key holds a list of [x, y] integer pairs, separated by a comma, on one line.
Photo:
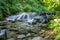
{"points": [[24, 16], [2, 32], [29, 17], [12, 18]]}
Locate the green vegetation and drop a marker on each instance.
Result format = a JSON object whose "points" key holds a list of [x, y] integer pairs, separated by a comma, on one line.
{"points": [[56, 27], [8, 7], [12, 6], [57, 37]]}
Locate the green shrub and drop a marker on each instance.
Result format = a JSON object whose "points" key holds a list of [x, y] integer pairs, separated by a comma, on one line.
{"points": [[1, 16], [56, 27], [8, 7], [11, 6], [57, 37], [57, 30], [52, 5], [52, 24], [57, 15]]}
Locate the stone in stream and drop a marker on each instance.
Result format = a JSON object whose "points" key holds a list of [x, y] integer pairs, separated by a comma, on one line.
{"points": [[29, 34], [21, 36], [10, 34], [11, 39], [38, 38]]}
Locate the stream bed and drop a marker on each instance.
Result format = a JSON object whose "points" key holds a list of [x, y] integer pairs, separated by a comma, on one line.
{"points": [[26, 26]]}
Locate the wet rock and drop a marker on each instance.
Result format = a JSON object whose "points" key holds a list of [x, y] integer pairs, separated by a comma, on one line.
{"points": [[38, 38], [44, 25], [40, 19], [46, 37], [10, 34], [35, 30], [11, 39], [29, 34], [23, 31], [25, 26], [2, 24], [19, 39], [21, 36], [13, 29], [29, 38]]}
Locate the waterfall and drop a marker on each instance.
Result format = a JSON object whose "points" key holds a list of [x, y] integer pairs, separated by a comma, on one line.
{"points": [[24, 17], [30, 17], [2, 32], [12, 18]]}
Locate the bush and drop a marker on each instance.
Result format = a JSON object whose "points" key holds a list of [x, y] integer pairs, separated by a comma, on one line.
{"points": [[52, 5], [11, 6], [56, 27], [51, 24], [57, 37], [8, 7]]}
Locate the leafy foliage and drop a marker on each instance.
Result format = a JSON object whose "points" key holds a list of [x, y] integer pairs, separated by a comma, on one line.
{"points": [[52, 5], [55, 25], [11, 6], [57, 37]]}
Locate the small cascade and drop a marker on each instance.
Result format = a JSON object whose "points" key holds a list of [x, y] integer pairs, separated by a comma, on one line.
{"points": [[30, 17], [12, 18], [24, 17], [2, 32]]}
